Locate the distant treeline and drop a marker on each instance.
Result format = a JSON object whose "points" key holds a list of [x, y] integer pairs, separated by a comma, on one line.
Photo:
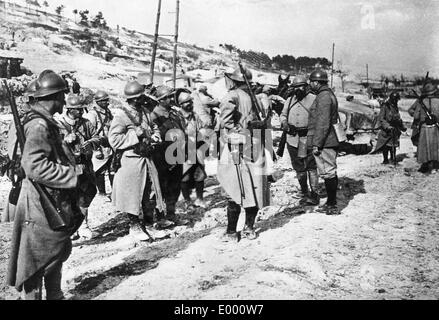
{"points": [[285, 62]]}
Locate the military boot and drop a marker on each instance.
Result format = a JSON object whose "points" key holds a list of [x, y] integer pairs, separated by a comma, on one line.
{"points": [[137, 230], [233, 212], [250, 217], [303, 182]]}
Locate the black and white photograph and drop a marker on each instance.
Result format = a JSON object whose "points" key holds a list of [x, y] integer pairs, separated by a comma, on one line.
{"points": [[237, 151]]}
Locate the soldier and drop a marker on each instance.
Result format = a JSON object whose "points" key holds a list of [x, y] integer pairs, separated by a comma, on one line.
{"points": [[38, 251], [194, 173], [322, 137], [170, 174], [242, 177], [133, 135], [425, 131], [100, 117], [391, 126], [294, 120], [80, 135]]}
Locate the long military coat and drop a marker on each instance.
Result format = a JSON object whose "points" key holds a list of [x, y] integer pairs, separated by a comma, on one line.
{"points": [[101, 121], [389, 117], [84, 131], [324, 114], [236, 112], [130, 180], [46, 160]]}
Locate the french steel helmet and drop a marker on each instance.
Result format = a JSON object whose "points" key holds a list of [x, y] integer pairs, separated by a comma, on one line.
{"points": [[299, 81], [184, 97], [30, 91], [163, 92], [429, 89], [75, 101], [237, 75], [133, 89], [49, 83], [101, 95], [394, 95], [318, 75]]}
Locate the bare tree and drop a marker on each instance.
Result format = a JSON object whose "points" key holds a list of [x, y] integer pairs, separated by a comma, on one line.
{"points": [[59, 9], [46, 5]]}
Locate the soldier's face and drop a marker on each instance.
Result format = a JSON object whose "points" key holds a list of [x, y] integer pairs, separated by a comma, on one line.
{"points": [[314, 85], [76, 113], [60, 102], [103, 104]]}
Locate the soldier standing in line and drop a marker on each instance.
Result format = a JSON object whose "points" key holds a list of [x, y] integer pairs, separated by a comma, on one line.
{"points": [[194, 172], [100, 117], [391, 126], [294, 121], [170, 174], [37, 251], [133, 135], [80, 135], [243, 178], [425, 130], [323, 138]]}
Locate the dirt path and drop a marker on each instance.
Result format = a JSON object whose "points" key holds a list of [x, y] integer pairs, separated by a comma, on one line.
{"points": [[383, 246]]}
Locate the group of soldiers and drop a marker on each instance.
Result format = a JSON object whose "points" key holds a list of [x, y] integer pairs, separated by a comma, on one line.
{"points": [[153, 149]]}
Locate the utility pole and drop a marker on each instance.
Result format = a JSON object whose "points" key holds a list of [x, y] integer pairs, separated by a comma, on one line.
{"points": [[177, 12], [332, 65], [367, 75], [156, 38]]}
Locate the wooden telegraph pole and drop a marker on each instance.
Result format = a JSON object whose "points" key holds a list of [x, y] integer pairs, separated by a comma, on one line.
{"points": [[156, 38], [177, 12], [332, 65], [367, 75]]}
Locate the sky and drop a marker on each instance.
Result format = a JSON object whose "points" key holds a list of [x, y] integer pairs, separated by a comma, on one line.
{"points": [[391, 36]]}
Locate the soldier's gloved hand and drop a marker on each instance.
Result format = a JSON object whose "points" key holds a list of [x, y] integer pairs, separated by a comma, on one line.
{"points": [[316, 151], [70, 138]]}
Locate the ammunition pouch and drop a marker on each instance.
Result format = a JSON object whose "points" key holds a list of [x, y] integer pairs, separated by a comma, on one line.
{"points": [[144, 150], [116, 161], [302, 132]]}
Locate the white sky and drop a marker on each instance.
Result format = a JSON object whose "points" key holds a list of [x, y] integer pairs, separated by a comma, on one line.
{"points": [[403, 40]]}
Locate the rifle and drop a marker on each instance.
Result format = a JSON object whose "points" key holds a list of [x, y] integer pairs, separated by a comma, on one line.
{"points": [[282, 144], [53, 215], [260, 112]]}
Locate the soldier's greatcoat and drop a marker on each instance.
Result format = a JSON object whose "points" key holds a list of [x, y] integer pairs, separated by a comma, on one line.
{"points": [[130, 180], [428, 147], [236, 112], [324, 114], [389, 117], [49, 162], [101, 121]]}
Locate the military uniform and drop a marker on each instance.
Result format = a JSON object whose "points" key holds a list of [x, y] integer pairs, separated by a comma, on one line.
{"points": [[84, 131], [170, 175], [391, 126], [295, 115], [323, 138], [241, 173], [100, 119], [37, 251], [425, 132]]}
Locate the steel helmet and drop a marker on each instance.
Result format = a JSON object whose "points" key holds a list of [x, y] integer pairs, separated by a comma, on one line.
{"points": [[184, 97], [237, 75], [429, 89], [319, 75], [30, 91], [49, 83], [299, 81], [163, 92], [133, 89], [75, 101], [101, 95]]}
